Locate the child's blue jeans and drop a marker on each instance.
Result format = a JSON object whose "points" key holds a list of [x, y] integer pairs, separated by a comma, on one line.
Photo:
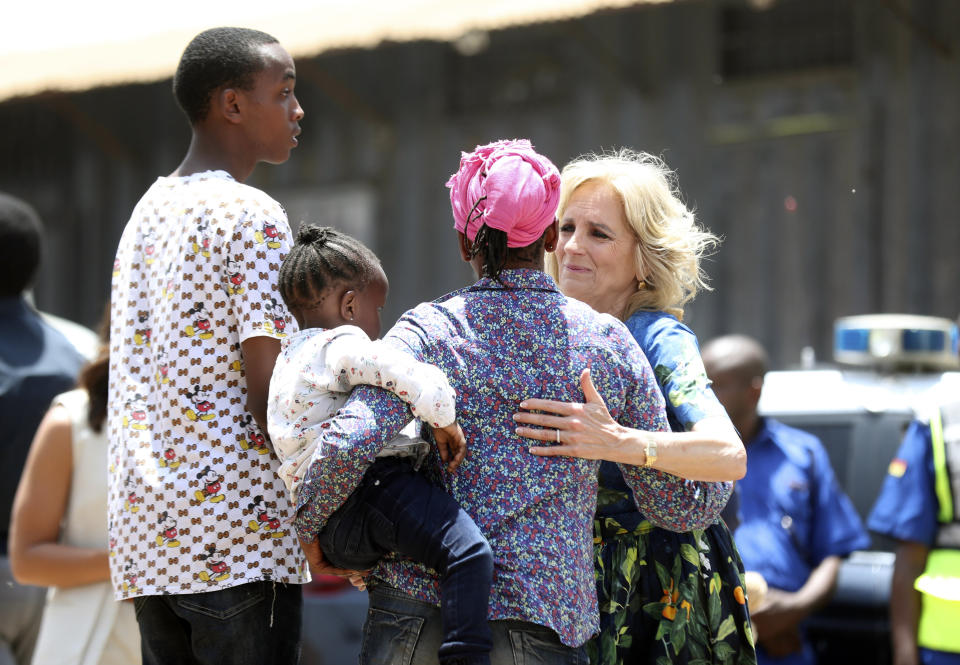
{"points": [[396, 509]]}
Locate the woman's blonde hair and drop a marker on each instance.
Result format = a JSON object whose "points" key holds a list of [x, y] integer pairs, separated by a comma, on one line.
{"points": [[670, 244]]}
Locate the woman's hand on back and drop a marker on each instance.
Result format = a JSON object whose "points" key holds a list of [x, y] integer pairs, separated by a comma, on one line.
{"points": [[575, 430]]}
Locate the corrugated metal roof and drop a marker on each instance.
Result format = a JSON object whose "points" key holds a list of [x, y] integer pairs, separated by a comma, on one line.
{"points": [[83, 45]]}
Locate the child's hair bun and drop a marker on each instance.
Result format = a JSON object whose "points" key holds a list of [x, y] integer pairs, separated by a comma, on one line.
{"points": [[311, 234]]}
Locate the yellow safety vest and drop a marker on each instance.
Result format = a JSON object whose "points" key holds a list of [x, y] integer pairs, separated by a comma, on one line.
{"points": [[939, 585]]}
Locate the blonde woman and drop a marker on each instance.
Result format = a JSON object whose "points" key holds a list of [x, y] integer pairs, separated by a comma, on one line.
{"points": [[629, 247]]}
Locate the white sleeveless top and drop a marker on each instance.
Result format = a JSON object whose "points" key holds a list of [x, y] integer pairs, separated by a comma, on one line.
{"points": [[85, 625]]}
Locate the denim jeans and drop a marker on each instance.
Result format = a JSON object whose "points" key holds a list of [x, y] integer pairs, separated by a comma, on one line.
{"points": [[257, 623], [401, 630], [396, 509]]}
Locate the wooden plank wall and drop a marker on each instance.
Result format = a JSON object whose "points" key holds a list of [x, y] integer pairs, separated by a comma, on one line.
{"points": [[867, 151]]}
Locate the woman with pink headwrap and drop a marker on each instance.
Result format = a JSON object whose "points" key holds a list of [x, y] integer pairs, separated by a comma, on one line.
{"points": [[508, 335], [508, 187]]}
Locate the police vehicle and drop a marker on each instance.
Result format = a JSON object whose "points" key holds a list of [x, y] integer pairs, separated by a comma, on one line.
{"points": [[889, 368]]}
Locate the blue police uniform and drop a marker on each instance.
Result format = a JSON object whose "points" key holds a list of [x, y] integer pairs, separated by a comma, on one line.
{"points": [[907, 506], [793, 514]]}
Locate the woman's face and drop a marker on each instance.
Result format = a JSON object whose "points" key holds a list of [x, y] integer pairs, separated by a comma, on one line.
{"points": [[596, 252]]}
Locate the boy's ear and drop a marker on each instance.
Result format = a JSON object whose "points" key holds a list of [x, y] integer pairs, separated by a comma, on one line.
{"points": [[229, 103], [348, 304]]}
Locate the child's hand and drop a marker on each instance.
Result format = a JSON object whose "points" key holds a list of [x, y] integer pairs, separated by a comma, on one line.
{"points": [[320, 566], [359, 581], [451, 444]]}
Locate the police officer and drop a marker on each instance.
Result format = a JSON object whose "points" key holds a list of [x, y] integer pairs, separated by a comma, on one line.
{"points": [[796, 523], [918, 507]]}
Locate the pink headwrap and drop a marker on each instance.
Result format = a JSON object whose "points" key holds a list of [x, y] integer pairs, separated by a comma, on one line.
{"points": [[507, 186]]}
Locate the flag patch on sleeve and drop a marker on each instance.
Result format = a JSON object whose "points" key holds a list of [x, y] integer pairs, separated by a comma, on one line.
{"points": [[897, 468]]}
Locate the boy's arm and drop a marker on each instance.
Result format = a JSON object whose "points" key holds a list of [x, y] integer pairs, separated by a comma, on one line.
{"points": [[260, 315], [259, 357]]}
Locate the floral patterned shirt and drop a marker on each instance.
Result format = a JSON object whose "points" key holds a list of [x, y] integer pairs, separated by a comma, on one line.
{"points": [[194, 500], [673, 352], [500, 344], [314, 375]]}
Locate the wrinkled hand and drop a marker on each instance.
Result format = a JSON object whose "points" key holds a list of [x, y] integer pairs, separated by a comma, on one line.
{"points": [[585, 430], [319, 565], [451, 444]]}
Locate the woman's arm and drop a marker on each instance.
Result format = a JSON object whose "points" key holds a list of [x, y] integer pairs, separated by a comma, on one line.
{"points": [[38, 508], [710, 452]]}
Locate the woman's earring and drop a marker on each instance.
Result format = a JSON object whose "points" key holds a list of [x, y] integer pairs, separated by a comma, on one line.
{"points": [[641, 284]]}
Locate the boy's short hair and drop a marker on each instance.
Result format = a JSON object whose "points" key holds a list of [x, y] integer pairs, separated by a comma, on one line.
{"points": [[20, 230], [215, 58]]}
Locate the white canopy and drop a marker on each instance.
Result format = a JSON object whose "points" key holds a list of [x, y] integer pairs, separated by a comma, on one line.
{"points": [[60, 45]]}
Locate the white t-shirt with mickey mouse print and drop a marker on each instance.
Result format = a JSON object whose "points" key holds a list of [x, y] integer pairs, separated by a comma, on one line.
{"points": [[195, 503]]}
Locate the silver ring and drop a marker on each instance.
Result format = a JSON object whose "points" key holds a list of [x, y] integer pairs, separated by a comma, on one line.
{"points": [[558, 436]]}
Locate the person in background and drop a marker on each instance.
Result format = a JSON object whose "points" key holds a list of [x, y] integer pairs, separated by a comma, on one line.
{"points": [[58, 531], [918, 506], [630, 248], [796, 523], [198, 519], [36, 364], [509, 335]]}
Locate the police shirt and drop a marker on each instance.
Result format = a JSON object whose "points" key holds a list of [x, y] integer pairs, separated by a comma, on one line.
{"points": [[793, 513], [906, 508]]}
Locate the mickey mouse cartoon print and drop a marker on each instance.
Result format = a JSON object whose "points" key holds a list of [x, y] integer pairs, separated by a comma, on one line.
{"points": [[211, 489], [200, 325], [268, 235], [201, 407], [274, 314]]}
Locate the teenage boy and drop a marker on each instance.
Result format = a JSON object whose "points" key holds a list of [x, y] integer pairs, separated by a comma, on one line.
{"points": [[198, 518]]}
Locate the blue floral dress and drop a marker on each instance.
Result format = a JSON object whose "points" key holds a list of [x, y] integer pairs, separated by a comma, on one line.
{"points": [[667, 597]]}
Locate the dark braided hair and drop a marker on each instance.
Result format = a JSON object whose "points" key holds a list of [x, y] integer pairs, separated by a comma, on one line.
{"points": [[322, 257], [491, 245]]}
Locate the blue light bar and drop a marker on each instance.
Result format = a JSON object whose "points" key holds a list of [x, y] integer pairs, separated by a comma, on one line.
{"points": [[897, 339], [924, 340], [851, 339]]}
